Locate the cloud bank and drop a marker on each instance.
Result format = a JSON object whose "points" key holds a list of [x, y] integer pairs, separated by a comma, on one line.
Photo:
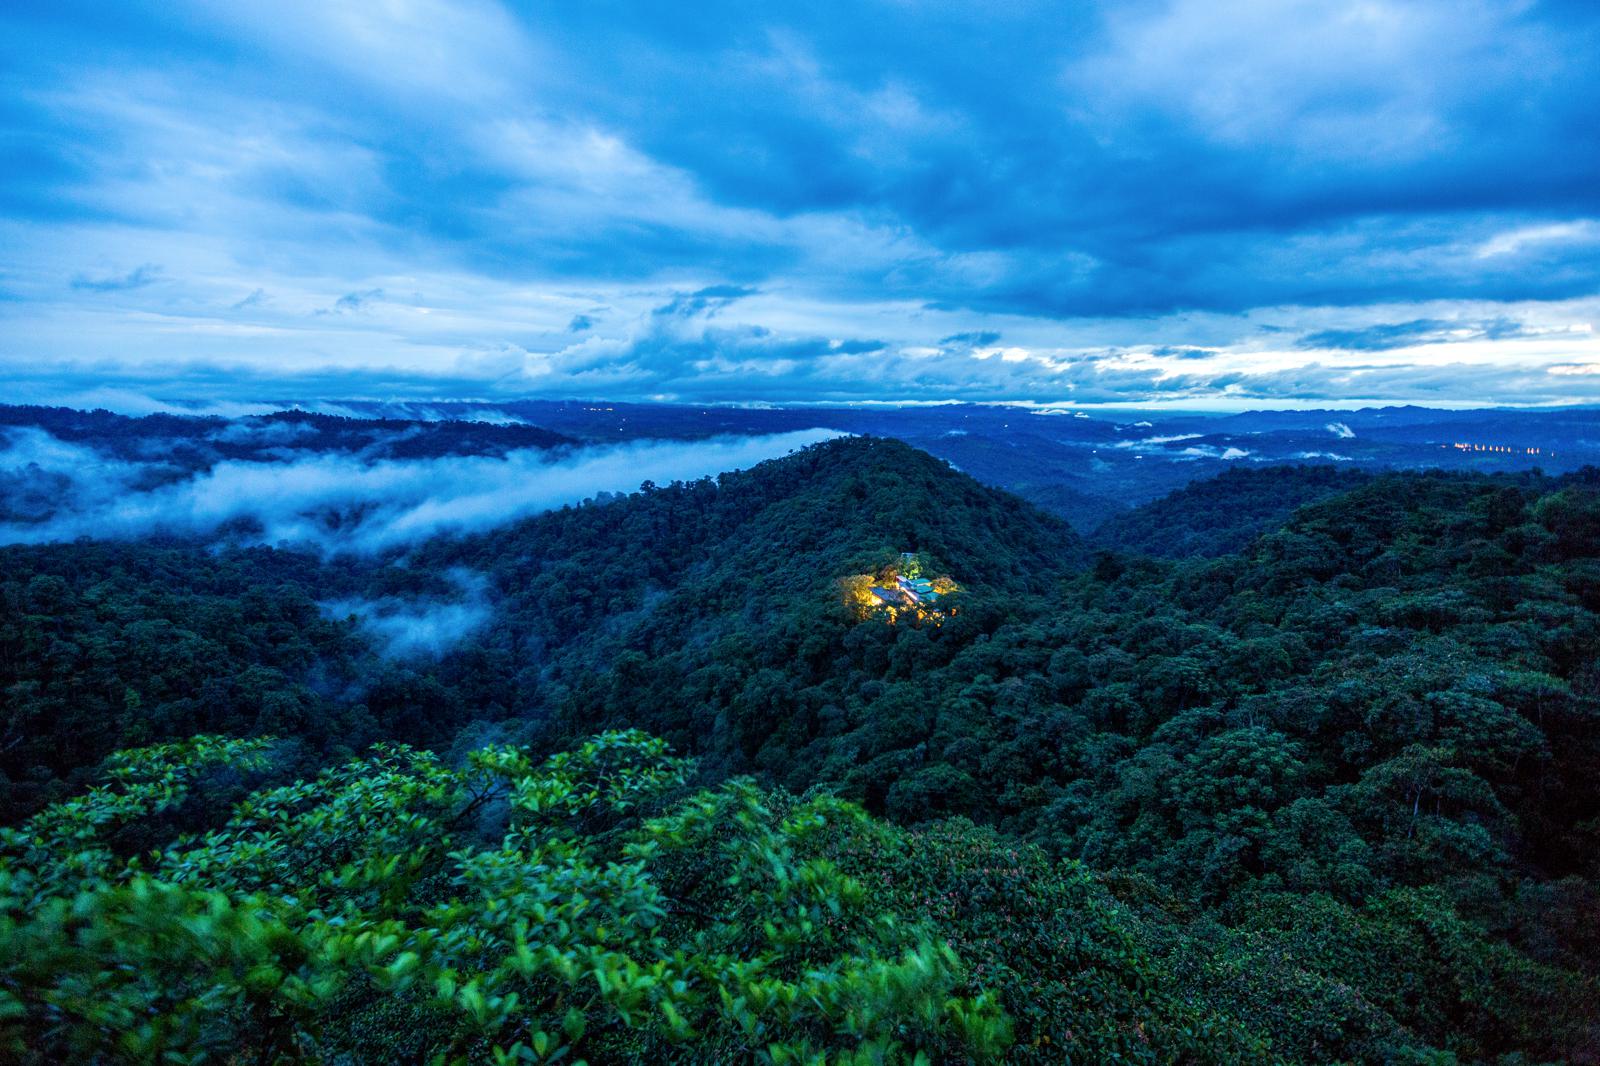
{"points": [[336, 502], [419, 627]]}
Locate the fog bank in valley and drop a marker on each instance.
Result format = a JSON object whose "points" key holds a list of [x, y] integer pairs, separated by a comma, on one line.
{"points": [[55, 490], [402, 627]]}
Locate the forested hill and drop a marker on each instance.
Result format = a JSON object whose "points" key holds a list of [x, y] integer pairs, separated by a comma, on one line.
{"points": [[784, 530], [1331, 798], [1375, 727], [1220, 515], [108, 644]]}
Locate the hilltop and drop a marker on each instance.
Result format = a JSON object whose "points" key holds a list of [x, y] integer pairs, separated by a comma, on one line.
{"points": [[717, 588], [157, 638]]}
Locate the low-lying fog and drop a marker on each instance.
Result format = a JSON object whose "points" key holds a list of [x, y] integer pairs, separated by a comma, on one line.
{"points": [[54, 490]]}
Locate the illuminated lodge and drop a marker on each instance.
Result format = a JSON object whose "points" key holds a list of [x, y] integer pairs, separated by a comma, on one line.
{"points": [[906, 592], [901, 592]]}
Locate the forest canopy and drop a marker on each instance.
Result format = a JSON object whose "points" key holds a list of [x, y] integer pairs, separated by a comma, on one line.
{"points": [[1317, 786]]}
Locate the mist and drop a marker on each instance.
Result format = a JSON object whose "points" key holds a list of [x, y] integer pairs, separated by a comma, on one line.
{"points": [[336, 502], [407, 627]]}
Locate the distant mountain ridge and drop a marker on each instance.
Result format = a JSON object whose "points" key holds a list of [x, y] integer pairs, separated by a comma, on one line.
{"points": [[1085, 466], [197, 441]]}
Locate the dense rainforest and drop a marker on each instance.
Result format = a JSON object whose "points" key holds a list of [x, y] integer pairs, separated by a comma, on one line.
{"points": [[1294, 766], [1224, 514]]}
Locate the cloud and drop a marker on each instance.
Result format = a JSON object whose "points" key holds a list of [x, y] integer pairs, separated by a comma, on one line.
{"points": [[340, 502], [136, 278], [811, 352], [404, 630], [44, 479], [1391, 335], [355, 301], [978, 339], [706, 301], [1226, 453], [256, 298], [263, 433], [1154, 442], [858, 205], [1340, 430], [407, 627], [1512, 242], [1169, 352]]}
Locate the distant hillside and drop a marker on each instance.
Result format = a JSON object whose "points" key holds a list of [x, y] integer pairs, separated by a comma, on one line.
{"points": [[197, 442], [1223, 514]]}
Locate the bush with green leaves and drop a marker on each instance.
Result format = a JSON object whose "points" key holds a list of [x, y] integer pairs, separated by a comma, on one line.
{"points": [[1072, 965], [589, 906]]}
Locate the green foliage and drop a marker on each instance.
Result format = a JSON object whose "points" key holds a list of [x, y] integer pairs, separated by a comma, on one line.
{"points": [[1223, 514], [1065, 958], [107, 646], [67, 846], [371, 913]]}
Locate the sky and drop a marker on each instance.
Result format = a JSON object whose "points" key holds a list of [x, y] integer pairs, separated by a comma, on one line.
{"points": [[1203, 203]]}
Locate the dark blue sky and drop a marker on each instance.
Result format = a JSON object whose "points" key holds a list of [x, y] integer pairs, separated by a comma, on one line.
{"points": [[1202, 202]]}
